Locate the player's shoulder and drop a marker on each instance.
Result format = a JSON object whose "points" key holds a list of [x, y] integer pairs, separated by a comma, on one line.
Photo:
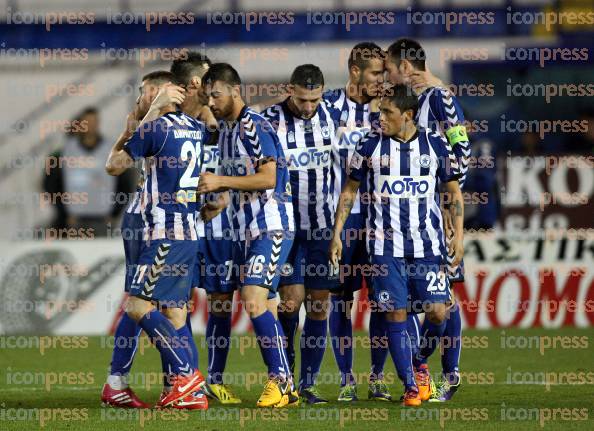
{"points": [[441, 95], [370, 140], [256, 124], [178, 119], [332, 96], [273, 111]]}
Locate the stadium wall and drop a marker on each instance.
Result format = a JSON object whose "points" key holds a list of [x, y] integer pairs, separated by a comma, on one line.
{"points": [[76, 287]]}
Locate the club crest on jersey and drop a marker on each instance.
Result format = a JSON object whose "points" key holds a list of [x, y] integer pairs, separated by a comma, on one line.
{"points": [[385, 161], [425, 160], [384, 296], [286, 269], [325, 132], [291, 136]]}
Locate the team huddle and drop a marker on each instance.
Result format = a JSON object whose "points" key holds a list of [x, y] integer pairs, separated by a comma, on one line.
{"points": [[295, 202]]}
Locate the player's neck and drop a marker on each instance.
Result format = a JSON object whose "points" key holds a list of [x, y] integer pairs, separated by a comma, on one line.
{"points": [[167, 109], [355, 93], [236, 112], [407, 132], [192, 107]]}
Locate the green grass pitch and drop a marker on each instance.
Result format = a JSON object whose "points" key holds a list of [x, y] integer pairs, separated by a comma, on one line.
{"points": [[535, 379]]}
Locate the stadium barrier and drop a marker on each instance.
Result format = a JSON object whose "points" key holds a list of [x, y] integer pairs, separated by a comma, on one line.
{"points": [[76, 287]]}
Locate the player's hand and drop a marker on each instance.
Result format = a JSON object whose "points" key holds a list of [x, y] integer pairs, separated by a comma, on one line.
{"points": [[422, 79], [335, 251], [456, 249], [210, 211], [169, 94], [132, 120], [209, 182]]}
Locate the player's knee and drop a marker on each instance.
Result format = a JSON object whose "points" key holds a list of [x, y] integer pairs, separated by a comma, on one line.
{"points": [[136, 308], [177, 316]]}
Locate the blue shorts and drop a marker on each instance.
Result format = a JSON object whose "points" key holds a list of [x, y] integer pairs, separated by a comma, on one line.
{"points": [[308, 261], [355, 263], [216, 270], [164, 272], [263, 259], [132, 230], [401, 282], [456, 274]]}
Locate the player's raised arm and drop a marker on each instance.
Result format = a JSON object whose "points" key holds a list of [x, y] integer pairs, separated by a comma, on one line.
{"points": [[118, 160]]}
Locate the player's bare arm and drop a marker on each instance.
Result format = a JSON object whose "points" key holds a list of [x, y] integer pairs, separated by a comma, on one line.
{"points": [[118, 160], [456, 213], [345, 205], [263, 179], [420, 80], [212, 209]]}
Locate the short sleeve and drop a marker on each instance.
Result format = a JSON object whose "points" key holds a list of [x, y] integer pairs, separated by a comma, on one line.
{"points": [[447, 168], [361, 158], [449, 115], [147, 140]]}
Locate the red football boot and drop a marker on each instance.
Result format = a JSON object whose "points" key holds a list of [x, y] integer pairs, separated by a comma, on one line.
{"points": [[122, 398], [182, 386]]}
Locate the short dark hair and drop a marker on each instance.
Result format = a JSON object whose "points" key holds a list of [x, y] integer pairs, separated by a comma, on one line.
{"points": [[221, 72], [362, 53], [408, 49], [189, 65], [307, 76], [403, 97], [159, 77]]}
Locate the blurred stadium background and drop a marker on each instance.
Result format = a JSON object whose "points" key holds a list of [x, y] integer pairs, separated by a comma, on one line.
{"points": [[521, 69]]}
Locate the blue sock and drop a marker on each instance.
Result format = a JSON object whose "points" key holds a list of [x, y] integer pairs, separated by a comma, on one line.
{"points": [[379, 344], [413, 327], [164, 336], [341, 339], [125, 344], [187, 342], [313, 346], [452, 343], [283, 350], [192, 346], [399, 345], [218, 340], [268, 339], [290, 323], [428, 342]]}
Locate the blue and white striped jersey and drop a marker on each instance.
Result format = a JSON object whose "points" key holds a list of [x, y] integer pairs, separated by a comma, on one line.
{"points": [[172, 147], [220, 226], [250, 141], [307, 145], [134, 205], [354, 122], [403, 217], [440, 111]]}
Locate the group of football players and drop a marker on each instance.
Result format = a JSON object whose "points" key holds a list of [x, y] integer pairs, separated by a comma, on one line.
{"points": [[292, 203]]}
